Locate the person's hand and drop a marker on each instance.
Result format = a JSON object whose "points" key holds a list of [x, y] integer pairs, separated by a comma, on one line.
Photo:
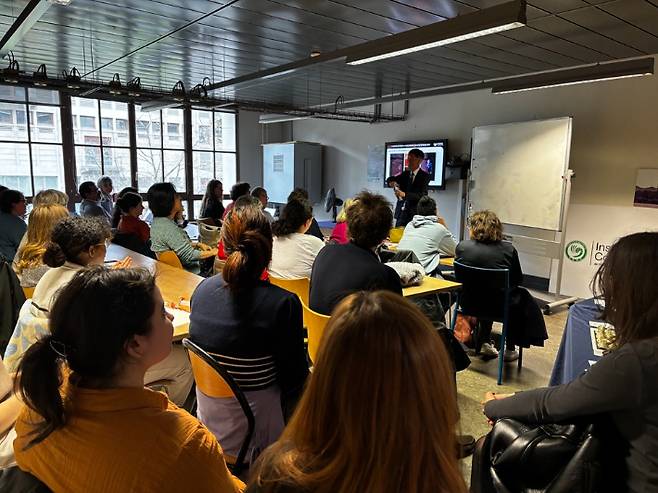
{"points": [[203, 247], [493, 396], [442, 221], [123, 263], [211, 252], [400, 194]]}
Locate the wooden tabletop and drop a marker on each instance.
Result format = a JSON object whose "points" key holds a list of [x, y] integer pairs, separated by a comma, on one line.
{"points": [[447, 261], [174, 283], [430, 285]]}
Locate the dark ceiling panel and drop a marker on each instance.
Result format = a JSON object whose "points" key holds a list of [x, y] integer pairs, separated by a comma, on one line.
{"points": [[639, 13]]}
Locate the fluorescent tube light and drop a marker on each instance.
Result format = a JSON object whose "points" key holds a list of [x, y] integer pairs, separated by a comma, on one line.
{"points": [[499, 18], [578, 75], [274, 118]]}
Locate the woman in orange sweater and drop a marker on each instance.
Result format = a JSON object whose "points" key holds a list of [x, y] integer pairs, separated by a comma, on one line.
{"points": [[89, 424]]}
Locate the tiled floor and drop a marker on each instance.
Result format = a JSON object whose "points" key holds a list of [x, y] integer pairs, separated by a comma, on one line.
{"points": [[480, 377]]}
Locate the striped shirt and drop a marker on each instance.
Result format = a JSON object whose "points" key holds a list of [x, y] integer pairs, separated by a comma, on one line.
{"points": [[166, 235]]}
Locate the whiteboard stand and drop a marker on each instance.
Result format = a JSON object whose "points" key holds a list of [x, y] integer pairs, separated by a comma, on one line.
{"points": [[563, 235]]}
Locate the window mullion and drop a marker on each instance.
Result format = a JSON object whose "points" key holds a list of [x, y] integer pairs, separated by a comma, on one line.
{"points": [[29, 140], [100, 135]]}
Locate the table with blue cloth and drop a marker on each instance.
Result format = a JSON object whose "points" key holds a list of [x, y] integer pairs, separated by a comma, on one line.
{"points": [[576, 351]]}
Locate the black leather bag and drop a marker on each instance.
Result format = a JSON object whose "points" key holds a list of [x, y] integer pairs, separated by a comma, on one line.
{"points": [[552, 458]]}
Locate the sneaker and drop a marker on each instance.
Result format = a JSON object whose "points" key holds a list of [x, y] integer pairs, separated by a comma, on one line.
{"points": [[489, 350], [511, 355]]}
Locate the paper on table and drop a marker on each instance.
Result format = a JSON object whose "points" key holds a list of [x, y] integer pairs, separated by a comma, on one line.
{"points": [[181, 317]]}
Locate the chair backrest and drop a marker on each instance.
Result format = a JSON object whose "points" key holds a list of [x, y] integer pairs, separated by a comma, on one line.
{"points": [[299, 286], [169, 257], [28, 292], [315, 324], [209, 234], [484, 292], [395, 235], [214, 380]]}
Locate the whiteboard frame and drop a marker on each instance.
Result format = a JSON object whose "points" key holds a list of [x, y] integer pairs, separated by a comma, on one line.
{"points": [[565, 169]]}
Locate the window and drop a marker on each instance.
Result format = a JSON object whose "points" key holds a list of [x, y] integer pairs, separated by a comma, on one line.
{"points": [[160, 156], [213, 146], [31, 157], [105, 150]]}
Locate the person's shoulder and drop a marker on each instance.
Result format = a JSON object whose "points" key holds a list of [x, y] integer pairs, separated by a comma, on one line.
{"points": [[311, 240]]}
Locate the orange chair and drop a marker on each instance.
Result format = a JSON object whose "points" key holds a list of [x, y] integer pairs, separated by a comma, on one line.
{"points": [[315, 324], [212, 379], [299, 286], [28, 292], [169, 257], [395, 234]]}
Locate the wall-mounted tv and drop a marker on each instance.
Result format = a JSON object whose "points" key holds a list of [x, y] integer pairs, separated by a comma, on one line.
{"points": [[435, 159]]}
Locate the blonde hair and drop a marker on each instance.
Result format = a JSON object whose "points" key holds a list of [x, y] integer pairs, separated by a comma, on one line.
{"points": [[485, 227], [342, 215], [39, 231], [364, 422], [50, 197]]}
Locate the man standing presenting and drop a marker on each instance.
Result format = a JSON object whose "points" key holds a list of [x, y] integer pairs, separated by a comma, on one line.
{"points": [[409, 186]]}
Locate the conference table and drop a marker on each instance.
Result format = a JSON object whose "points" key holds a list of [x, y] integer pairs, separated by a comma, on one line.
{"points": [[576, 352]]}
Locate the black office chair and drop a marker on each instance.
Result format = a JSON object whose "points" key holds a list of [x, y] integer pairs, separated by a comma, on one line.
{"points": [[213, 380], [485, 294]]}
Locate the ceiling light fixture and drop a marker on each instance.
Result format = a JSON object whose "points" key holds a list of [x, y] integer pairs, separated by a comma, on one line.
{"points": [[12, 72], [134, 87], [115, 85], [275, 118], [72, 78], [198, 93], [60, 2], [579, 75], [178, 91], [491, 20], [40, 77]]}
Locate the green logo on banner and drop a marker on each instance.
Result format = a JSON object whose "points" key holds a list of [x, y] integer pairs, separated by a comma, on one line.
{"points": [[576, 250]]}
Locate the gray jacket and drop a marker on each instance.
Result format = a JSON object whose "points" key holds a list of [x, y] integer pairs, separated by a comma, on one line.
{"points": [[427, 238]]}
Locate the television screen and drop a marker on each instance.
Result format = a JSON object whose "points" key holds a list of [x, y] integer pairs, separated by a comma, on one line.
{"points": [[434, 163]]}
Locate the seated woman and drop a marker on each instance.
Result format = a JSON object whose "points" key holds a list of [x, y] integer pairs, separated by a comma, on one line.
{"points": [[339, 233], [130, 205], [165, 204], [622, 385], [345, 435], [116, 212], [237, 190], [301, 194], [212, 207], [254, 329], [340, 270], [427, 236], [486, 249], [12, 224], [29, 263], [294, 252], [83, 386]]}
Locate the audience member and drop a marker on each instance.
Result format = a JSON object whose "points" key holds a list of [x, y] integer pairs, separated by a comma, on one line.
{"points": [[339, 234], [165, 204], [301, 194], [90, 207], [427, 236], [409, 186], [130, 205], [294, 251], [366, 421], [10, 407], [116, 212], [12, 225], [105, 188], [261, 194], [254, 329], [50, 197], [212, 205], [622, 385], [486, 249], [30, 266], [117, 435], [237, 191], [342, 269]]}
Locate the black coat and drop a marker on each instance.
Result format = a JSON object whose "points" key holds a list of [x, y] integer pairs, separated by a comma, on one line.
{"points": [[413, 192], [11, 301]]}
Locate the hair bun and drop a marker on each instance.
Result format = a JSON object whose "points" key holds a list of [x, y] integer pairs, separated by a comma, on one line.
{"points": [[54, 255]]}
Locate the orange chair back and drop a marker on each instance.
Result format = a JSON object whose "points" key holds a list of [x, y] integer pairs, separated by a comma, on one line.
{"points": [[395, 235], [169, 257], [300, 286], [28, 292], [207, 379], [315, 324]]}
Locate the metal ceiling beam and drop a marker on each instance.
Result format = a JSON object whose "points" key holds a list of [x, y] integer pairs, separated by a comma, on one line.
{"points": [[23, 23]]}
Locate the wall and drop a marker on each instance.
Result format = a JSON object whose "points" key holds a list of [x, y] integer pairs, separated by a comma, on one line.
{"points": [[615, 132]]}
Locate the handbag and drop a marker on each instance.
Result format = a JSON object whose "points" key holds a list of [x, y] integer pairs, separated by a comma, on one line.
{"points": [[464, 326], [551, 458]]}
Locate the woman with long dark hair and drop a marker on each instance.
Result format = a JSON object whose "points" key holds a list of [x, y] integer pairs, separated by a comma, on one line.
{"points": [[620, 386], [255, 329], [212, 206], [379, 413], [294, 252], [89, 423]]}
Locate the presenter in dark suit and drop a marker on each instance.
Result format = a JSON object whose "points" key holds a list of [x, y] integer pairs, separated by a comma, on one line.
{"points": [[410, 186]]}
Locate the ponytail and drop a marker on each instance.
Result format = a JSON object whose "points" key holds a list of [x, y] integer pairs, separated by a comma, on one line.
{"points": [[54, 256], [39, 381]]}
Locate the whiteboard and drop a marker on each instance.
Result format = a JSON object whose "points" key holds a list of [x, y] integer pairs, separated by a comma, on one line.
{"points": [[517, 171]]}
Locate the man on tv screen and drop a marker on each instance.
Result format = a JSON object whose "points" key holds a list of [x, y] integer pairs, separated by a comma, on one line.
{"points": [[409, 186]]}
